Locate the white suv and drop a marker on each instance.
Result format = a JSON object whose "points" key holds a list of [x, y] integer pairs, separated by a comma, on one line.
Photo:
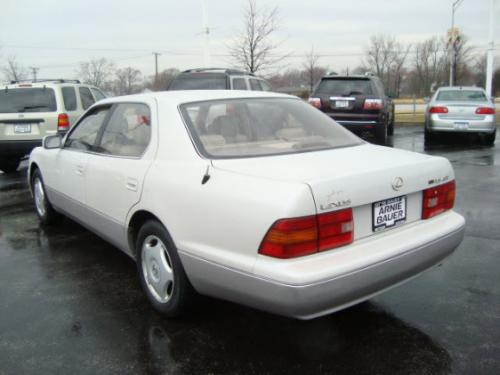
{"points": [[31, 110]]}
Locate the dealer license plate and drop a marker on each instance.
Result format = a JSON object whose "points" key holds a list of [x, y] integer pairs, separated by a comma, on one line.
{"points": [[461, 125], [22, 128], [389, 213], [341, 103]]}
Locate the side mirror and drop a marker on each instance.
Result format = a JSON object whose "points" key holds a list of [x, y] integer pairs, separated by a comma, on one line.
{"points": [[52, 141], [427, 99]]}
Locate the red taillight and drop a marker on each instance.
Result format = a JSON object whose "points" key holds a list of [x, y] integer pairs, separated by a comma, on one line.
{"points": [[438, 199], [372, 104], [315, 102], [289, 238], [485, 111], [62, 122], [438, 110]]}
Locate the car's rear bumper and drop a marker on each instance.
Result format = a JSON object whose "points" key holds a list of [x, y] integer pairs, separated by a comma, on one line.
{"points": [[340, 289], [18, 148], [438, 124]]}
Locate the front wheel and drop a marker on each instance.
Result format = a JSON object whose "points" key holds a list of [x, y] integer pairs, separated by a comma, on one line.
{"points": [[44, 209], [160, 271]]}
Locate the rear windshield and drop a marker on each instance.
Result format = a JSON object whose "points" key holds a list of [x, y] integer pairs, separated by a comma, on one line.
{"points": [[262, 126], [345, 87], [27, 100], [461, 95], [199, 82]]}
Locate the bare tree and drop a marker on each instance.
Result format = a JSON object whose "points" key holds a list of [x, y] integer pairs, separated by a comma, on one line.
{"points": [[462, 59], [429, 65], [312, 71], [386, 57], [97, 72], [253, 47], [127, 81], [164, 79], [13, 70]]}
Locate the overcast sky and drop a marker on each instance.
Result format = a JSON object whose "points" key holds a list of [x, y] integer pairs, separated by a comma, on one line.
{"points": [[56, 35]]}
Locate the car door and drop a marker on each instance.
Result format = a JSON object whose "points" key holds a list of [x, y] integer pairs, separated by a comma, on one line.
{"points": [[71, 163], [115, 173]]}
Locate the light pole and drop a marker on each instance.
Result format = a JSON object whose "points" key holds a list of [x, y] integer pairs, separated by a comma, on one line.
{"points": [[491, 48], [454, 7]]}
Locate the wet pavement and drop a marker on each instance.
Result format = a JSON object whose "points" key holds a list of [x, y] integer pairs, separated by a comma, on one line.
{"points": [[72, 304]]}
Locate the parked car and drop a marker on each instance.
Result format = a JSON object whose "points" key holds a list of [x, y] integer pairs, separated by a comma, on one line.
{"points": [[288, 213], [30, 110], [357, 102], [218, 79], [461, 110]]}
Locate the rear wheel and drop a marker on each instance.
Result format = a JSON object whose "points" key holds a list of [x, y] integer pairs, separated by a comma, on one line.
{"points": [[9, 165], [44, 209], [381, 134], [489, 139], [160, 271], [427, 137], [390, 129]]}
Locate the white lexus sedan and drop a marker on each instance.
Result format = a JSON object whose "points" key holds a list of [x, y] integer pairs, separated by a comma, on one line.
{"points": [[256, 198]]}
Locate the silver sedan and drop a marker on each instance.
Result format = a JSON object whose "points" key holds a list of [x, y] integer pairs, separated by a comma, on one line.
{"points": [[463, 110]]}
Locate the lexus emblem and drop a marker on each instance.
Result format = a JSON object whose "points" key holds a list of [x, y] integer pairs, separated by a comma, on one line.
{"points": [[398, 183]]}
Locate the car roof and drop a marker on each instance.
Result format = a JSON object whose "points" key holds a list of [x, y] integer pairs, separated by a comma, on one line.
{"points": [[42, 83], [227, 71], [187, 96], [354, 76]]}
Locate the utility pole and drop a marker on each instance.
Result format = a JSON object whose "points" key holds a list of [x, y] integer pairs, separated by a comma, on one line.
{"points": [[452, 38], [35, 71], [156, 54], [206, 32], [491, 48]]}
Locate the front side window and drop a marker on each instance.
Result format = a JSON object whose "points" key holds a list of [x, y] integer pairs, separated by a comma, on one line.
{"points": [[128, 131], [86, 96], [262, 126], [27, 100], [69, 98], [84, 135], [461, 95]]}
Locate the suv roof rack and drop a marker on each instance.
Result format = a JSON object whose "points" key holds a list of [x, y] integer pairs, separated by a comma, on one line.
{"points": [[222, 70], [55, 80]]}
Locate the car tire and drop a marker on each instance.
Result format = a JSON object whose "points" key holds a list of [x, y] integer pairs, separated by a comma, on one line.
{"points": [[44, 209], [381, 134], [390, 128], [9, 165], [428, 138], [489, 139], [161, 273]]}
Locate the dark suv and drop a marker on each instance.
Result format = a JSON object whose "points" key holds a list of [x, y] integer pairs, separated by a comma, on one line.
{"points": [[357, 102], [218, 79]]}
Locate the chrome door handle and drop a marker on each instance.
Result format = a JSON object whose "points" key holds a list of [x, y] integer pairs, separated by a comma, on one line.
{"points": [[132, 184]]}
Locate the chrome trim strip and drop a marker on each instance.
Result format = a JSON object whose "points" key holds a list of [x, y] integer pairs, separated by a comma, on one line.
{"points": [[355, 122], [350, 98]]}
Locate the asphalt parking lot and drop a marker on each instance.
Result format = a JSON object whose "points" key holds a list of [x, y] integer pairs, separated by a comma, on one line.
{"points": [[71, 303]]}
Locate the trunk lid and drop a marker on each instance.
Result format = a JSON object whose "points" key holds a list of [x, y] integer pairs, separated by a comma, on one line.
{"points": [[354, 177]]}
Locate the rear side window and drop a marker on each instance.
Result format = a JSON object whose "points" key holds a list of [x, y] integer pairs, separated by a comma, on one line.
{"points": [[199, 82], [128, 131], [345, 87], [255, 85], [27, 100], [85, 132], [461, 95], [86, 96], [239, 84], [69, 98]]}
